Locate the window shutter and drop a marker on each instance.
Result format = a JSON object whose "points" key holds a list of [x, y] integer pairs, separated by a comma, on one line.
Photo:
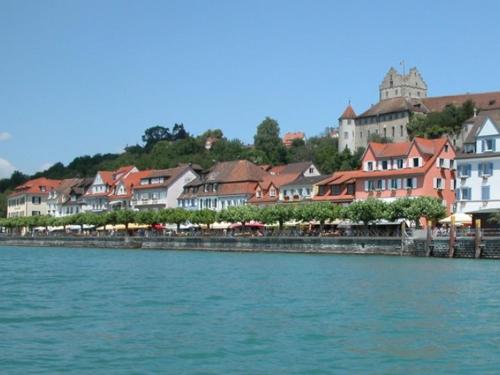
{"points": [[414, 182], [480, 169], [437, 162], [365, 166], [494, 141], [447, 163], [420, 162], [452, 185], [399, 183], [457, 194], [482, 145], [434, 183], [366, 185], [383, 184]]}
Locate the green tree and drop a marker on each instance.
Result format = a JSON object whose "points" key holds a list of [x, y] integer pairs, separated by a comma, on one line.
{"points": [[366, 211], [425, 207], [268, 141], [278, 213], [239, 214], [204, 216], [125, 217]]}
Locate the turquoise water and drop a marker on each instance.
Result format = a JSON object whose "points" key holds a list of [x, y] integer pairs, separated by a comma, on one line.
{"points": [[135, 312]]}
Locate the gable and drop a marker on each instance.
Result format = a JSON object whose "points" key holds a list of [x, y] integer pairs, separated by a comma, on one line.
{"points": [[488, 129], [98, 180], [311, 171]]}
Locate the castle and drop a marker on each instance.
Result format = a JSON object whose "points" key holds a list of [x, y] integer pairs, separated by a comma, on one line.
{"points": [[400, 95]]}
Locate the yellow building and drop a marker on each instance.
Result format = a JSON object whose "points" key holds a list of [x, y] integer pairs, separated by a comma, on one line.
{"points": [[30, 198]]}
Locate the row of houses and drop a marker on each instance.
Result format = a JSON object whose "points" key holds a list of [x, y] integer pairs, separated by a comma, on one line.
{"points": [[464, 182]]}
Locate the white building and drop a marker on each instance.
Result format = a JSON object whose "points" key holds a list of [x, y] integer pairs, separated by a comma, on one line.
{"points": [[161, 188], [478, 176]]}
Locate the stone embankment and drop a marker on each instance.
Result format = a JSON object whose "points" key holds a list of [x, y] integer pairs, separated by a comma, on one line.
{"points": [[464, 247]]}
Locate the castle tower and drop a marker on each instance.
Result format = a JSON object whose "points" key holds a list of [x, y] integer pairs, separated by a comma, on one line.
{"points": [[347, 130], [397, 85]]}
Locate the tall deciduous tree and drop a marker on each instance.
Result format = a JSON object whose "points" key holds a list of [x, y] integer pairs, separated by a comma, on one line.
{"points": [[268, 141]]}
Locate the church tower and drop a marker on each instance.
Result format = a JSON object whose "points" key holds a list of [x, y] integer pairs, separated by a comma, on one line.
{"points": [[396, 85], [347, 129]]}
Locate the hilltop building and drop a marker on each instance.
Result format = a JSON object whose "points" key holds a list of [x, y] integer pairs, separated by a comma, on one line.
{"points": [[400, 96]]}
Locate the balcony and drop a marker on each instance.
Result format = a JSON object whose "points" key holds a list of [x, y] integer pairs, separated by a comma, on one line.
{"points": [[148, 202]]}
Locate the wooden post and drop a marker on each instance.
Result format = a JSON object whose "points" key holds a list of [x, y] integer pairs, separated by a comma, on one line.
{"points": [[477, 237], [428, 239], [403, 237], [451, 251]]}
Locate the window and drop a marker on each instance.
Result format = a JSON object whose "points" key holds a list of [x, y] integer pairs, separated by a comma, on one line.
{"points": [[485, 193], [346, 135], [464, 170], [395, 184], [441, 163], [335, 190], [385, 164], [350, 189], [410, 183], [370, 166], [258, 193], [380, 184], [370, 185], [485, 169], [36, 200], [488, 145], [446, 147], [416, 162], [400, 130], [385, 132], [311, 170], [272, 192], [438, 183], [466, 193], [393, 131], [399, 163]]}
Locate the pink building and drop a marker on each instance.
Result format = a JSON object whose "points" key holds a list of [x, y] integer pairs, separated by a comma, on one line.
{"points": [[422, 167]]}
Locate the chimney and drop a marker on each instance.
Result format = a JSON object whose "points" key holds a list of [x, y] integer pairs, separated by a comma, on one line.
{"points": [[475, 111]]}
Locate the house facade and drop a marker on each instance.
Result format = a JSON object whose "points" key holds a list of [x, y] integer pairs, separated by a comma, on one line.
{"points": [[422, 167], [103, 191], [286, 183], [30, 198], [158, 189], [478, 167], [65, 199], [226, 184]]}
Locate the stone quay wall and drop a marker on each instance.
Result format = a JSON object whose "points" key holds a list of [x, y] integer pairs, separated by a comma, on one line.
{"points": [[329, 245]]}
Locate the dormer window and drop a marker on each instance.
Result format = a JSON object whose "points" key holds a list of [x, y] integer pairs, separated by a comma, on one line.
{"points": [[272, 192], [369, 166], [43, 189], [488, 145], [258, 193], [384, 165], [446, 147], [416, 162]]}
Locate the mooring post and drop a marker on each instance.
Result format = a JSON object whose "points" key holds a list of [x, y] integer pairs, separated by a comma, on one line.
{"points": [[403, 238], [477, 242], [428, 239], [451, 252]]}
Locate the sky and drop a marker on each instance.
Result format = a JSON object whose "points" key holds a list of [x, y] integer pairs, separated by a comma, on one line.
{"points": [[85, 77]]}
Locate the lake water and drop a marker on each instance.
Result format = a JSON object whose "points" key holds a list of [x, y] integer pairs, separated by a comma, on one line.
{"points": [[136, 312]]}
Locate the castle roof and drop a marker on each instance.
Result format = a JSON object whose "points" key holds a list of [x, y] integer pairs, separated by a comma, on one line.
{"points": [[348, 113]]}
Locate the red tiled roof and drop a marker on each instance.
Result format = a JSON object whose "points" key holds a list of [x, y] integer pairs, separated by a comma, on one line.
{"points": [[387, 150], [348, 113], [483, 101], [235, 171], [36, 186], [288, 138]]}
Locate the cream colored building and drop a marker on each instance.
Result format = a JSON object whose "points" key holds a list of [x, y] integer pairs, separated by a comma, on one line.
{"points": [[400, 97], [30, 198]]}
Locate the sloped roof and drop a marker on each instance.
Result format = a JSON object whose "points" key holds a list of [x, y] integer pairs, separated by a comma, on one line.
{"points": [[36, 186], [235, 171], [387, 150], [170, 175], [288, 138], [482, 101], [292, 168], [479, 120], [348, 113]]}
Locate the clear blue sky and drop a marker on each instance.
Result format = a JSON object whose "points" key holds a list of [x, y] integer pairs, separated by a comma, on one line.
{"points": [[81, 77]]}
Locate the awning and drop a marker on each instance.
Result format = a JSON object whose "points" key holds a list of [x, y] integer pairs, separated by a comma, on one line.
{"points": [[459, 219]]}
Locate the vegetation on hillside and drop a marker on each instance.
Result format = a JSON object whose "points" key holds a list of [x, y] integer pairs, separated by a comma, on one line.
{"points": [[165, 148], [436, 124]]}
